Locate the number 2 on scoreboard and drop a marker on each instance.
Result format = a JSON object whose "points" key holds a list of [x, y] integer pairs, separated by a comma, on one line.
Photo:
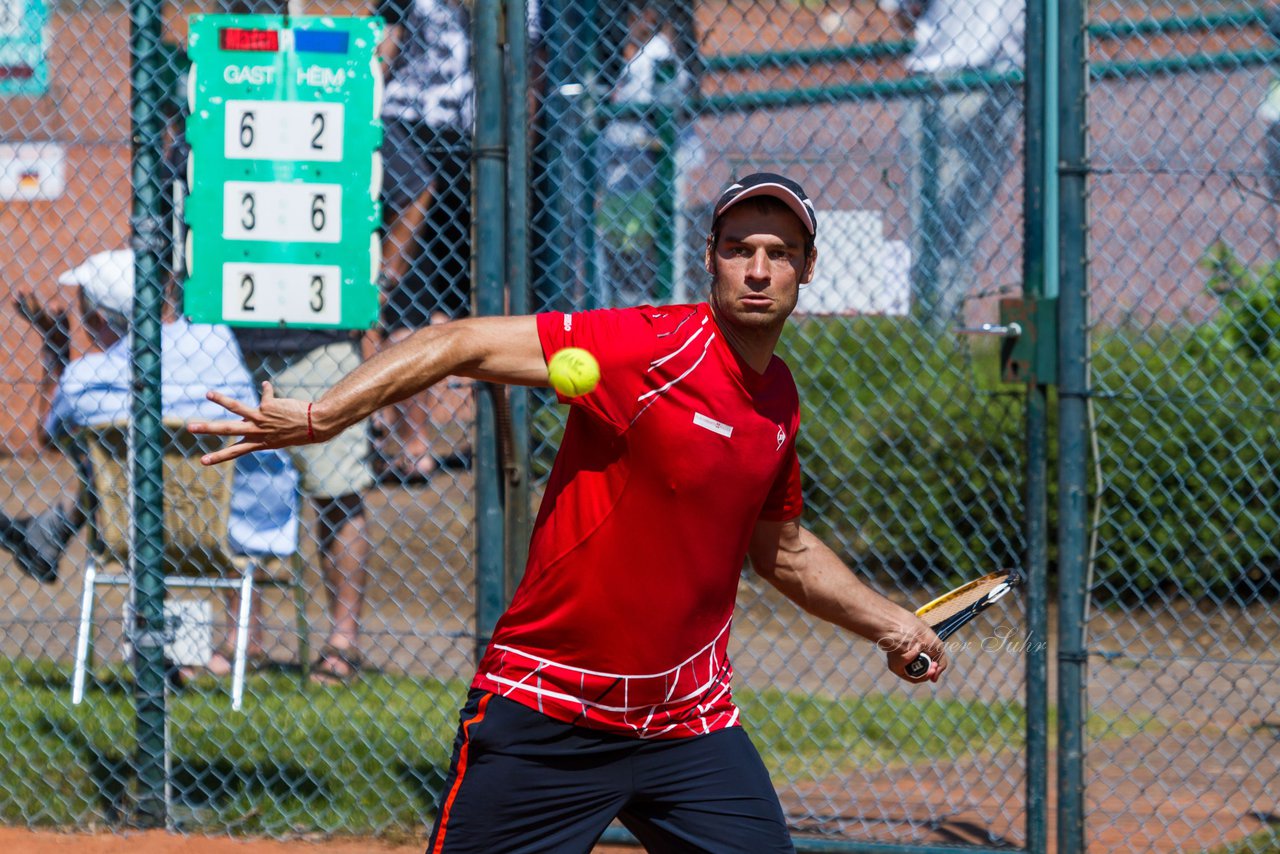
{"points": [[246, 290]]}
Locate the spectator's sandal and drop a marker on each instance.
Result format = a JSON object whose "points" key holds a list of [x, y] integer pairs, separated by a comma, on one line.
{"points": [[337, 666]]}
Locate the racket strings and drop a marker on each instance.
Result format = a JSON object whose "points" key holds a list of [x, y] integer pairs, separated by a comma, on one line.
{"points": [[958, 601], [952, 610]]}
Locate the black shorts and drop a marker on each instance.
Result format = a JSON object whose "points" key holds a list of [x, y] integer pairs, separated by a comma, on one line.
{"points": [[520, 781]]}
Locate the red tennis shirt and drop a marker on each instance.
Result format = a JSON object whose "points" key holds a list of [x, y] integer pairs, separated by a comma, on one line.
{"points": [[622, 619]]}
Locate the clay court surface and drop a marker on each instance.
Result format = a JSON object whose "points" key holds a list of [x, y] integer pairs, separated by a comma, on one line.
{"points": [[14, 841]]}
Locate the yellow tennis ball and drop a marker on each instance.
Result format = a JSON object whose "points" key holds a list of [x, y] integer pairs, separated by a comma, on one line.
{"points": [[573, 371]]}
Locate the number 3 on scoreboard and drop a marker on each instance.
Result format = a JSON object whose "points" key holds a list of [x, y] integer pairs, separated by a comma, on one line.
{"points": [[317, 294]]}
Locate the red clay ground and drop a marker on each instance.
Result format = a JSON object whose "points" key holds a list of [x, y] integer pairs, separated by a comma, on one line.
{"points": [[15, 841]]}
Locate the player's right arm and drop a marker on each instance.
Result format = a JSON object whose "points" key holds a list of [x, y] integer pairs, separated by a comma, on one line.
{"points": [[495, 349], [808, 572]]}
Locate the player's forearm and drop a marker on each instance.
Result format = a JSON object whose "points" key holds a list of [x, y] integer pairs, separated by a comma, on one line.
{"points": [[389, 376], [813, 576], [497, 349]]}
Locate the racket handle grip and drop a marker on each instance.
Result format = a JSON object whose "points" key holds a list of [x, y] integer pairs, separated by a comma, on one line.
{"points": [[920, 666]]}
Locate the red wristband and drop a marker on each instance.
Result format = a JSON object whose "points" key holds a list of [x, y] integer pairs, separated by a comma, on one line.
{"points": [[311, 433]]}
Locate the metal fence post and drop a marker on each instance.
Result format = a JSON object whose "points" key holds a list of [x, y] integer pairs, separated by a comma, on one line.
{"points": [[1072, 424], [489, 224], [517, 240], [148, 501], [666, 140], [924, 272], [558, 271], [1039, 218]]}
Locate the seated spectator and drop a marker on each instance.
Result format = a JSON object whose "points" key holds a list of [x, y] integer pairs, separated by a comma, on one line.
{"points": [[95, 389]]}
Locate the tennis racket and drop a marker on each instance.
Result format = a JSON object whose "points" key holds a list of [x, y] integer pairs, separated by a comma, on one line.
{"points": [[953, 609]]}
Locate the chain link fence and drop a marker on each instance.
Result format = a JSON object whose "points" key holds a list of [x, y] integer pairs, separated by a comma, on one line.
{"points": [[908, 133], [1181, 628], [912, 445], [361, 558]]}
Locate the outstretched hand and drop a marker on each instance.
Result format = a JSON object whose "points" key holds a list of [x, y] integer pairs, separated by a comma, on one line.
{"points": [[277, 422]]}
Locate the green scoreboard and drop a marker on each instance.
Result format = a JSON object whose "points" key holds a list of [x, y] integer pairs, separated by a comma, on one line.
{"points": [[284, 171]]}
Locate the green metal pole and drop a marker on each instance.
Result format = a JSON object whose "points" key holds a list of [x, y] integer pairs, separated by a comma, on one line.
{"points": [[667, 133], [518, 495], [924, 84], [1072, 424], [1037, 561], [924, 272], [148, 229], [586, 192], [1145, 69], [556, 282], [489, 223], [582, 174], [1040, 100], [1047, 15]]}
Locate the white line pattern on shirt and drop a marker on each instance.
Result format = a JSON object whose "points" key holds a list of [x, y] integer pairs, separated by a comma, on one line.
{"points": [[689, 700], [654, 394], [605, 675], [657, 363], [682, 322]]}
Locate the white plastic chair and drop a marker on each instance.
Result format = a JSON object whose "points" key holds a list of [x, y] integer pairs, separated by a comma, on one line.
{"points": [[197, 501]]}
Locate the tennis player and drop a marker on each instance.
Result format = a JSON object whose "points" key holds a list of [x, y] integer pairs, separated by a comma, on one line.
{"points": [[605, 690]]}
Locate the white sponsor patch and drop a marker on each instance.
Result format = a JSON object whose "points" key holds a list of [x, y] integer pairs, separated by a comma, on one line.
{"points": [[568, 323], [713, 425]]}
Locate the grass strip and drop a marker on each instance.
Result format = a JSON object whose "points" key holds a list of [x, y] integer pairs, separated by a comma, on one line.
{"points": [[370, 758]]}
